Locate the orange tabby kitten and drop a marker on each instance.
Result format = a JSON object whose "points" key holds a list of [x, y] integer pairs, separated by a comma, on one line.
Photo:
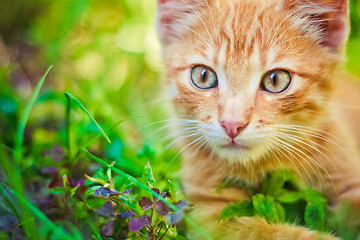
{"points": [[256, 87]]}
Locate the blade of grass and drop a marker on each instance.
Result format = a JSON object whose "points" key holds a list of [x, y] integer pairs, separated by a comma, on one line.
{"points": [[6, 147], [68, 126], [61, 234], [19, 225], [24, 118], [9, 201], [143, 186], [70, 96], [100, 134], [13, 178], [107, 131], [12, 168]]}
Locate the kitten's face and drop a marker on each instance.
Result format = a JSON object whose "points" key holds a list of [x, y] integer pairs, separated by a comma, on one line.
{"points": [[242, 70]]}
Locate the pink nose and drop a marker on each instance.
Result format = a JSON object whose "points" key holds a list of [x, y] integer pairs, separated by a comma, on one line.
{"points": [[233, 129]]}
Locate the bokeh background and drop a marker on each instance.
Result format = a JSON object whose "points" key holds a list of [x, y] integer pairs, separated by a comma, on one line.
{"points": [[106, 54]]}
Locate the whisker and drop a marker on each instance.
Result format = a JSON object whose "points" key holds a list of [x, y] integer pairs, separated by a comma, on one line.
{"points": [[178, 140], [281, 153], [202, 143], [312, 133], [316, 160], [170, 120], [271, 148], [169, 123], [295, 150], [173, 133], [173, 159], [187, 145], [309, 130], [302, 139]]}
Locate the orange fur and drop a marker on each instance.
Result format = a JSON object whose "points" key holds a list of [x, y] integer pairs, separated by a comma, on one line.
{"points": [[241, 40]]}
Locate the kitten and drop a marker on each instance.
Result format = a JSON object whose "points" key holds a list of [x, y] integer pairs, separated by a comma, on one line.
{"points": [[258, 87]]}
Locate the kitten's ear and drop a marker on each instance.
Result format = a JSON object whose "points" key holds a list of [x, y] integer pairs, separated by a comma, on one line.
{"points": [[329, 19], [175, 16]]}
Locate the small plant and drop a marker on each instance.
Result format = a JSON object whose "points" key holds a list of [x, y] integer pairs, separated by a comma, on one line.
{"points": [[153, 221], [282, 198], [279, 193]]}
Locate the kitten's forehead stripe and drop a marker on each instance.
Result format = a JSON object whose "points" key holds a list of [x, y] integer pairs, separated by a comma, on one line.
{"points": [[242, 47], [222, 59]]}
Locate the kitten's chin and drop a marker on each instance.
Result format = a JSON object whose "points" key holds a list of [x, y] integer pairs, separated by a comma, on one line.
{"points": [[233, 152]]}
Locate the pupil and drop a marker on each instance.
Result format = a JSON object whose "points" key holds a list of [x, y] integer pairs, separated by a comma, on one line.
{"points": [[204, 74], [274, 78]]}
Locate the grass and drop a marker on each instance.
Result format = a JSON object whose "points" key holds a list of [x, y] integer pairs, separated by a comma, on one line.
{"points": [[14, 167], [107, 64]]}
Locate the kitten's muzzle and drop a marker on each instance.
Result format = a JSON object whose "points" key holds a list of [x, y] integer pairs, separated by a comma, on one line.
{"points": [[232, 128]]}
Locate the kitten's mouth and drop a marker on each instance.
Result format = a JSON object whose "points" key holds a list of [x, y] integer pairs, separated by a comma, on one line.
{"points": [[236, 146]]}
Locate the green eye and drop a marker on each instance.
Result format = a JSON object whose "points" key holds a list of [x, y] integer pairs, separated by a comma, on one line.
{"points": [[203, 77], [276, 81]]}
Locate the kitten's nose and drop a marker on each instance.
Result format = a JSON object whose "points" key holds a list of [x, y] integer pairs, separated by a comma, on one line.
{"points": [[233, 129]]}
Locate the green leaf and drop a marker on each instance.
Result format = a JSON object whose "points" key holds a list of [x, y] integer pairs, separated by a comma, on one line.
{"points": [[90, 200], [80, 211], [281, 212], [71, 97], [73, 190], [96, 180], [312, 195], [238, 209], [315, 216], [274, 182], [265, 207], [94, 203], [58, 190], [149, 174], [286, 196]]}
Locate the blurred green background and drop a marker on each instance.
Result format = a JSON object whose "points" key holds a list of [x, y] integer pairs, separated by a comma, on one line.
{"points": [[105, 53]]}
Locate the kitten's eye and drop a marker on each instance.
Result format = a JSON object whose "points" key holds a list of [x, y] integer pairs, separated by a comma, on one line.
{"points": [[276, 81], [203, 77]]}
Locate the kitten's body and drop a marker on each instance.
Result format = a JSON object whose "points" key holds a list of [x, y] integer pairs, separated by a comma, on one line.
{"points": [[311, 127], [347, 102]]}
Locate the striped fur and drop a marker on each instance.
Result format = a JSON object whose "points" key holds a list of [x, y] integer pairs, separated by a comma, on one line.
{"points": [[299, 129]]}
